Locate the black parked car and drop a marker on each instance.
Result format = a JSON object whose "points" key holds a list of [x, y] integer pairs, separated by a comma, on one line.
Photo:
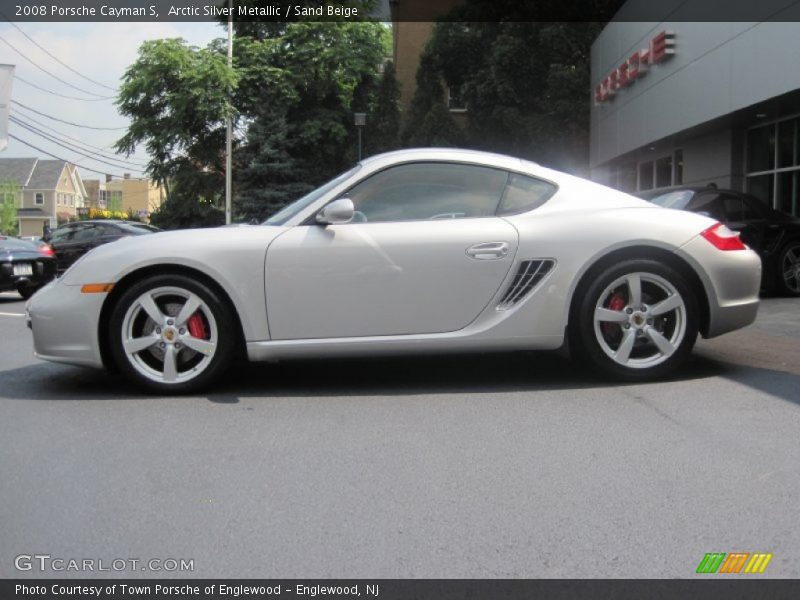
{"points": [[25, 266], [73, 240], [772, 233]]}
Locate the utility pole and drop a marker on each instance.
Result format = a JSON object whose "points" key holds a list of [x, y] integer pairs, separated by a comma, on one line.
{"points": [[229, 126]]}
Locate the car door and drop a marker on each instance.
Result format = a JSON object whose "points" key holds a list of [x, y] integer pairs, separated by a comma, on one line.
{"points": [[86, 237], [425, 254]]}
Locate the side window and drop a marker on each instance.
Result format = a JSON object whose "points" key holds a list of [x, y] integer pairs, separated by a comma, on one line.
{"points": [[708, 203], [62, 234], [424, 191], [87, 232], [524, 193], [750, 210], [733, 207]]}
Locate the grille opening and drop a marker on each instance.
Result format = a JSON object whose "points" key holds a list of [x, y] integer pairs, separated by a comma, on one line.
{"points": [[529, 274]]}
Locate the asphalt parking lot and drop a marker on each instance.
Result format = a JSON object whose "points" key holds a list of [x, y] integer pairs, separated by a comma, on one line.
{"points": [[514, 465]]}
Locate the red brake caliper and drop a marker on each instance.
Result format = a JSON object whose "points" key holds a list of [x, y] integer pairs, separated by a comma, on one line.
{"points": [[196, 326], [617, 302]]}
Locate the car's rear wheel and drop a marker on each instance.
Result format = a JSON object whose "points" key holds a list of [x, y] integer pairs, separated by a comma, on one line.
{"points": [[788, 279], [26, 291], [170, 333], [637, 320]]}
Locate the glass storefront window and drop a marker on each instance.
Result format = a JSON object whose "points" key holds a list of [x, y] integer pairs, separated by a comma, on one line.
{"points": [[664, 172], [761, 149], [787, 200], [678, 167], [761, 187], [787, 134], [773, 164], [626, 178], [646, 175]]}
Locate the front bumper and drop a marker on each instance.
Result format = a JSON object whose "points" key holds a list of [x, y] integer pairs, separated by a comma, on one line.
{"points": [[65, 324]]}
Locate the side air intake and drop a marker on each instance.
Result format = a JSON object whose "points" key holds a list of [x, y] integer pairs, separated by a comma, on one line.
{"points": [[529, 274]]}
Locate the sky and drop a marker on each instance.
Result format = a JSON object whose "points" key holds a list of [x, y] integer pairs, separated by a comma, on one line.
{"points": [[100, 51]]}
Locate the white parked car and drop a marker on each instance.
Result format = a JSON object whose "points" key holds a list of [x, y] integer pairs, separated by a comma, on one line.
{"points": [[417, 250]]}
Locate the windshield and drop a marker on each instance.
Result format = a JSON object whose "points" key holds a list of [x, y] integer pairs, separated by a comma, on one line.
{"points": [[678, 200], [287, 212]]}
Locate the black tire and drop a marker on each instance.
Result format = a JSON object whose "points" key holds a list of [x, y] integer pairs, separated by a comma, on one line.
{"points": [[135, 366], [592, 342], [26, 291], [790, 287]]}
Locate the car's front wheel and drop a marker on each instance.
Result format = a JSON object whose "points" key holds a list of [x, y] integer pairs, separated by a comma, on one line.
{"points": [[170, 333], [637, 320]]}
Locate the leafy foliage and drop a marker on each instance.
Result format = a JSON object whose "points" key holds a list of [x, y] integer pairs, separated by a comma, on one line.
{"points": [[382, 131], [292, 91], [9, 193], [524, 84]]}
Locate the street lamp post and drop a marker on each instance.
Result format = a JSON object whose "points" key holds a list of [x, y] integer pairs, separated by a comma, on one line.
{"points": [[361, 120], [229, 127]]}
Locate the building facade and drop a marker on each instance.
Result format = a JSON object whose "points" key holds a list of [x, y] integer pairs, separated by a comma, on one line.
{"points": [[695, 103], [412, 26], [129, 194], [50, 192]]}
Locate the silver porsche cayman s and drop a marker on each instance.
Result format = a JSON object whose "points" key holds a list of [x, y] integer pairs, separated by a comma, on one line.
{"points": [[434, 250]]}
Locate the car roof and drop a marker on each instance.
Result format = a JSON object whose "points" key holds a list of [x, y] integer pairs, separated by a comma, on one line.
{"points": [[690, 188], [447, 154], [102, 221]]}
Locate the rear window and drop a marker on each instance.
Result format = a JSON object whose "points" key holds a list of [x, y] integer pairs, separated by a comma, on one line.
{"points": [[8, 243], [523, 194], [677, 200]]}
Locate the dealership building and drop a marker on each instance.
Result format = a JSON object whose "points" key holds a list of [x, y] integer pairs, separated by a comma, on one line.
{"points": [[678, 102]]}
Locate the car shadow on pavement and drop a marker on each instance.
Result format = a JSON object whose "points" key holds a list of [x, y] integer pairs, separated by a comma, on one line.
{"points": [[394, 376]]}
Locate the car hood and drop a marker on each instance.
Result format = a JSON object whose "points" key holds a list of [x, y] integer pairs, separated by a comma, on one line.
{"points": [[203, 249]]}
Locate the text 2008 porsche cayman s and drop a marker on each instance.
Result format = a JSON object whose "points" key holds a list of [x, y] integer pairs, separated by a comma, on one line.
{"points": [[435, 250]]}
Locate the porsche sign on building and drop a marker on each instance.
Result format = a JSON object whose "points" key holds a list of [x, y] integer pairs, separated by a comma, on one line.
{"points": [[681, 102]]}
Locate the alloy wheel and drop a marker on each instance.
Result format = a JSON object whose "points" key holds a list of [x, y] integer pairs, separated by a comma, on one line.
{"points": [[640, 320], [790, 268], [169, 335]]}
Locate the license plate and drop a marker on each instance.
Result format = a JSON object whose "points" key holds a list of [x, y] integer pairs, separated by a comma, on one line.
{"points": [[23, 270]]}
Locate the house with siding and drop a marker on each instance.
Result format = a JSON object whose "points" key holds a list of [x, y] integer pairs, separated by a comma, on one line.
{"points": [[50, 192]]}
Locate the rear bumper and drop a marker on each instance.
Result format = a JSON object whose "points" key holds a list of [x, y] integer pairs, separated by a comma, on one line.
{"points": [[732, 281], [42, 272]]}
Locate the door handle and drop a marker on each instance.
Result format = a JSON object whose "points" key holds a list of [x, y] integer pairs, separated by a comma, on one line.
{"points": [[488, 251]]}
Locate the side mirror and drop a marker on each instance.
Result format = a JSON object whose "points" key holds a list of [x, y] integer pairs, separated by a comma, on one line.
{"points": [[337, 212]]}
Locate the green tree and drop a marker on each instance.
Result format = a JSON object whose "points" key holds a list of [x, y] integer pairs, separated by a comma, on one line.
{"points": [[301, 133], [267, 175], [9, 198], [382, 131], [178, 97], [291, 92], [525, 83], [429, 122]]}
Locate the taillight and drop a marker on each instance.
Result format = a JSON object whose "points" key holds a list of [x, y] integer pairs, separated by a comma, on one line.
{"points": [[723, 238], [46, 250]]}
